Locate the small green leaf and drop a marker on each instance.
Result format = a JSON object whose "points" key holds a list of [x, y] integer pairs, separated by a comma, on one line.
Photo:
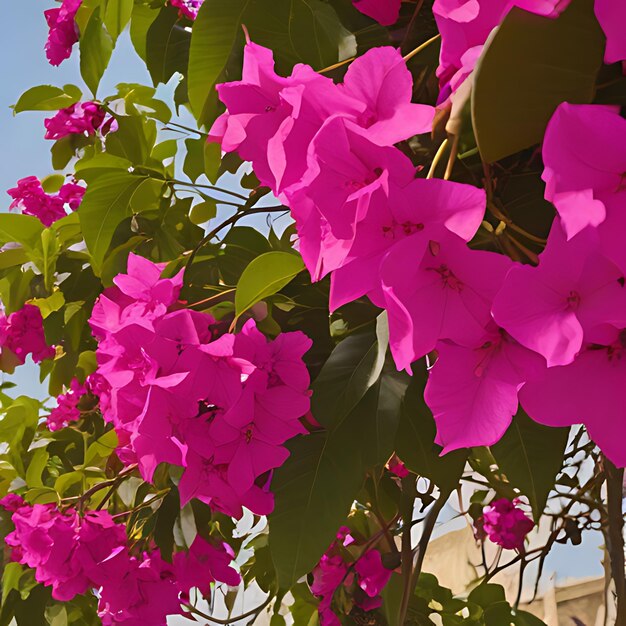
{"points": [[52, 183], [56, 615], [50, 304], [96, 46], [23, 229], [194, 159], [203, 211], [530, 65], [265, 276], [11, 578], [101, 449], [352, 368], [212, 160], [531, 455], [47, 98], [116, 16], [41, 495]]}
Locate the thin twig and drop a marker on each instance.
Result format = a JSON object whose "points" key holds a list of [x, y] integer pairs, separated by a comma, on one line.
{"points": [[230, 620]]}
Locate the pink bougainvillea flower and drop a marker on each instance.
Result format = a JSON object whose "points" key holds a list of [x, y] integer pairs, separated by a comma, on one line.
{"points": [[346, 171], [550, 308], [385, 12], [203, 564], [82, 118], [63, 31], [381, 79], [407, 212], [486, 380], [584, 168], [397, 467], [22, 333], [435, 288], [612, 18], [588, 391], [270, 120], [506, 524], [372, 574], [30, 197], [187, 8], [67, 410]]}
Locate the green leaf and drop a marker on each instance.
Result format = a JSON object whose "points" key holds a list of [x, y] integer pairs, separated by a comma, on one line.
{"points": [[352, 368], [140, 23], [133, 140], [56, 615], [101, 449], [52, 183], [203, 211], [531, 455], [96, 47], [264, 276], [530, 65], [415, 443], [216, 29], [486, 594], [212, 160], [167, 46], [50, 304], [116, 16], [47, 98], [315, 488], [23, 229], [194, 159], [11, 578], [164, 527], [105, 204]]}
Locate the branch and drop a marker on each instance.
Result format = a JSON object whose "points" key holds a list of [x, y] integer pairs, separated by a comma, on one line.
{"points": [[230, 620], [614, 536]]}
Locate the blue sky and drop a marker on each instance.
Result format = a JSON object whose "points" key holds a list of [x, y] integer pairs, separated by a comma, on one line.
{"points": [[24, 152]]}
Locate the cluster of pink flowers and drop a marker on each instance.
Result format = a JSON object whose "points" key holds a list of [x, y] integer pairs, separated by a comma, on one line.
{"points": [[180, 391], [73, 553], [497, 326], [30, 197], [63, 31], [505, 524], [187, 8], [67, 410], [367, 575], [81, 118], [21, 334]]}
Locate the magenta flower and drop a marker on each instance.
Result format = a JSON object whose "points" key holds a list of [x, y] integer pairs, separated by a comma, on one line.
{"points": [[612, 18], [588, 391], [372, 574], [22, 333], [408, 212], [552, 308], [584, 172], [434, 288], [187, 8], [486, 380], [67, 410], [31, 199], [381, 79], [385, 12], [63, 31], [82, 118], [505, 524]]}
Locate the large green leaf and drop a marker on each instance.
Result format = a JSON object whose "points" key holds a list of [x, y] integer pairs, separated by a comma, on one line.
{"points": [[134, 139], [215, 31], [315, 488], [23, 229], [167, 46], [96, 46], [265, 276], [531, 456], [140, 23], [116, 16], [352, 368], [531, 65], [306, 31], [47, 98], [105, 205], [415, 443]]}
